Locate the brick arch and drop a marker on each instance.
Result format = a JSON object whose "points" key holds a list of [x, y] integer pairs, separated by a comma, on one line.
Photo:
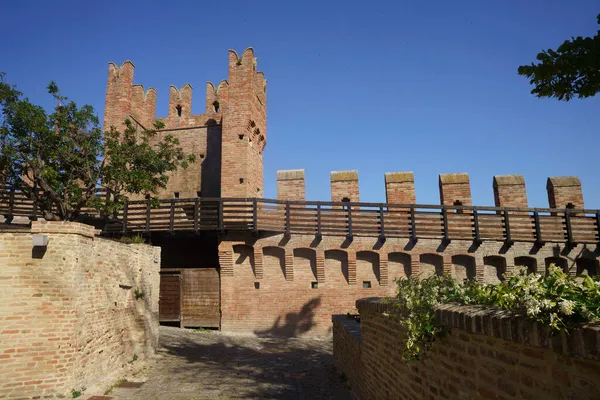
{"points": [[494, 268], [430, 264], [243, 261], [560, 262], [463, 267], [274, 263], [587, 266], [529, 262], [367, 267], [398, 265], [336, 267], [305, 264]]}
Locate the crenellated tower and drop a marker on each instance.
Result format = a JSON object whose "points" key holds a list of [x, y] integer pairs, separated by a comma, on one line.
{"points": [[228, 140], [244, 128]]}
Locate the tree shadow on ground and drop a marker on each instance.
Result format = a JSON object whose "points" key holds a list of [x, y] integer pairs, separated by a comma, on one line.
{"points": [[294, 324], [250, 367]]}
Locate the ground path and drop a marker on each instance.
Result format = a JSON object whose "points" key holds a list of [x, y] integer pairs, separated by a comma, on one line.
{"points": [[214, 365]]}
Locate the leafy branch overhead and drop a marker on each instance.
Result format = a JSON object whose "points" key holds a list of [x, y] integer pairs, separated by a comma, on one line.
{"points": [[573, 69], [63, 160]]}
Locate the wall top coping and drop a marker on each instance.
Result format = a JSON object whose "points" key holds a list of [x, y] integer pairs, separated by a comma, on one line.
{"points": [[337, 176], [64, 227], [506, 180], [446, 179], [562, 181], [290, 174], [399, 177], [581, 342]]}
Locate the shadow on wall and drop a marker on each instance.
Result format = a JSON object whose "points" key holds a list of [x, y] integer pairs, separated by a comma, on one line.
{"points": [[294, 324]]}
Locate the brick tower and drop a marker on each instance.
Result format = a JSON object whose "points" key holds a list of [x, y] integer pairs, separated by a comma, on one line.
{"points": [[244, 128]]}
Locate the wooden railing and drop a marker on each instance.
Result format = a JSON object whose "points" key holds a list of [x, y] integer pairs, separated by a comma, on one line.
{"points": [[342, 219]]}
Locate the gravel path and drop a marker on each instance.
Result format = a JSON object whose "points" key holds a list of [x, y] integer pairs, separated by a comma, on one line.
{"points": [[214, 365]]}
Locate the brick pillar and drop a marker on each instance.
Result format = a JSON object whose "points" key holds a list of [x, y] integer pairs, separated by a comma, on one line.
{"points": [[344, 185], [448, 266], [320, 263], [226, 259], [455, 188], [143, 105], [289, 264], [119, 93], [290, 185], [258, 262], [400, 188], [415, 265], [509, 191], [564, 191], [479, 272], [351, 267], [383, 269]]}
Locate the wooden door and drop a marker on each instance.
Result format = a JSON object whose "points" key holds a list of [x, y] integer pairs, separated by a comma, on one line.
{"points": [[201, 298], [169, 303]]}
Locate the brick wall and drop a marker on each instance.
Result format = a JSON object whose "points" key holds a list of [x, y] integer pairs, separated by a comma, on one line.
{"points": [[400, 188], [487, 354], [287, 303], [68, 314], [290, 185]]}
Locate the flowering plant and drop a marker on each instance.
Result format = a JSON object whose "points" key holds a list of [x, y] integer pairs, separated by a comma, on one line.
{"points": [[556, 300]]}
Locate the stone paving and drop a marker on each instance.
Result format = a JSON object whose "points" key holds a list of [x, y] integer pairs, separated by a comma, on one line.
{"points": [[214, 365]]}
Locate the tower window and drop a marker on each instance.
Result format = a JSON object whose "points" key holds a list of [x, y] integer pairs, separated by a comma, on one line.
{"points": [[241, 137], [366, 284], [178, 108], [176, 194], [216, 105], [570, 206], [241, 180]]}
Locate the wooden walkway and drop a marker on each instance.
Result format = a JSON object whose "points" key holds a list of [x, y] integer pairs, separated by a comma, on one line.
{"points": [[342, 219]]}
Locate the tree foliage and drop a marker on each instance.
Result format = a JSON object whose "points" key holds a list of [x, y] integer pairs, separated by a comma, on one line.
{"points": [[573, 69], [63, 160]]}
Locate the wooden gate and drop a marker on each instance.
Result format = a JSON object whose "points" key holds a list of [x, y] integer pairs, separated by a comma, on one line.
{"points": [[201, 298], [169, 303], [190, 296]]}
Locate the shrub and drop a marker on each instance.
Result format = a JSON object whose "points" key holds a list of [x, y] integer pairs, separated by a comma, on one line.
{"points": [[557, 301]]}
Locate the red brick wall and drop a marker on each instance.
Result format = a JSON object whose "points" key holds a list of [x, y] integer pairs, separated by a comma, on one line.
{"points": [[400, 188], [563, 190], [455, 187], [290, 185], [285, 268], [485, 355], [344, 184], [68, 315], [509, 191]]}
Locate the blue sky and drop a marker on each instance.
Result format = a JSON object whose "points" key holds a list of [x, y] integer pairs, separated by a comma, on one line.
{"points": [[429, 87]]}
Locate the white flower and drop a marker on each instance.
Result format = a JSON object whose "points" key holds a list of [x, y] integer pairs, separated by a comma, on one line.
{"points": [[566, 307]]}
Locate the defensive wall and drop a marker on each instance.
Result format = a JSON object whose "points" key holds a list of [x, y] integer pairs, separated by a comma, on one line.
{"points": [[487, 354], [69, 314], [292, 284]]}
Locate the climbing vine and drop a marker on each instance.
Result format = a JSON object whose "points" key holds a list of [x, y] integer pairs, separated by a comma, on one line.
{"points": [[556, 300]]}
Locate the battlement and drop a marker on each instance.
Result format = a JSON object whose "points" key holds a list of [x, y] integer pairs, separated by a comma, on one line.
{"points": [[455, 189]]}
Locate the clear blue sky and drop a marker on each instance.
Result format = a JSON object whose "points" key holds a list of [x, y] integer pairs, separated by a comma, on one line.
{"points": [[429, 87]]}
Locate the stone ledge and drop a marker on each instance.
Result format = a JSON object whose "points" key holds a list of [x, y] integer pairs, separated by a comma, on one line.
{"points": [[563, 181], [399, 177], [350, 325], [290, 175], [447, 179], [64, 227], [337, 176], [581, 342], [507, 180]]}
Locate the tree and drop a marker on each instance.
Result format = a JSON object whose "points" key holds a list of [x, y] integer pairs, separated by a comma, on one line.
{"points": [[62, 161], [573, 69]]}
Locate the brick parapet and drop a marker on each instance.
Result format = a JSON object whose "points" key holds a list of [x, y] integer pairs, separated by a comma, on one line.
{"points": [[583, 342], [64, 227]]}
